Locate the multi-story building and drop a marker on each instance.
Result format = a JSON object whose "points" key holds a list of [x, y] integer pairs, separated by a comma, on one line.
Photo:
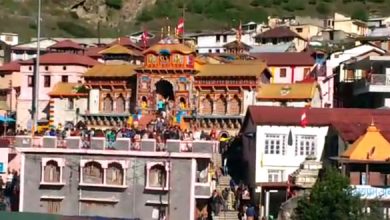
{"points": [[275, 144], [281, 35], [62, 178], [54, 68], [347, 24], [11, 39], [10, 82], [28, 51]]}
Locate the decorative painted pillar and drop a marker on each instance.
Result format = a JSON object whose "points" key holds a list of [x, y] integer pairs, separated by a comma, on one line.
{"points": [[51, 113]]}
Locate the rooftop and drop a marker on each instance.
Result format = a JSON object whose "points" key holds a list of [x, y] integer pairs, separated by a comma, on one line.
{"points": [[66, 44], [230, 69], [350, 122], [278, 32], [118, 49], [286, 59], [10, 67], [104, 70], [370, 146], [67, 89], [296, 91], [63, 59], [126, 42], [169, 48]]}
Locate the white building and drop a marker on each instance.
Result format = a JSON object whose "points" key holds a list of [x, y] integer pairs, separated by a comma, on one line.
{"points": [[9, 38], [29, 50]]}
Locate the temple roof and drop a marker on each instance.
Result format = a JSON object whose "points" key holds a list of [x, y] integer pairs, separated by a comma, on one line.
{"points": [[67, 89], [119, 49], [104, 70], [237, 45], [169, 48], [371, 146], [229, 69], [66, 44], [295, 91]]}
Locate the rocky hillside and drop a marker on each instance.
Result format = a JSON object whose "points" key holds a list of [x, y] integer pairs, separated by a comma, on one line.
{"points": [[79, 18]]}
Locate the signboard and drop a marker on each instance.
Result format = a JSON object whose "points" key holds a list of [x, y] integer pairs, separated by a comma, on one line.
{"points": [[369, 192], [2, 168]]}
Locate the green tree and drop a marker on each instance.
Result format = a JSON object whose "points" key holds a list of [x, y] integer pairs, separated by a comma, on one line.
{"points": [[323, 8], [360, 14], [332, 199]]}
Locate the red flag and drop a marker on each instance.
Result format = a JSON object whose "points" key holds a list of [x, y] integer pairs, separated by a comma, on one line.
{"points": [[239, 33], [180, 27], [144, 38], [304, 118]]}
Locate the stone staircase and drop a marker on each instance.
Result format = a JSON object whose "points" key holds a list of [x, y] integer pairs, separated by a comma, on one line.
{"points": [[224, 182]]}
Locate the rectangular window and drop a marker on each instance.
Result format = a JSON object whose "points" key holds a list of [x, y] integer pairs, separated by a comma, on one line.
{"points": [[275, 144], [218, 38], [46, 81], [305, 145], [30, 81], [53, 206], [224, 38], [70, 104], [64, 79], [283, 73], [275, 176], [299, 30], [306, 71]]}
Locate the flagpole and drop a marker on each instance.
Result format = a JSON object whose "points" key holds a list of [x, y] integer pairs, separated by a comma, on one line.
{"points": [[35, 109], [183, 14]]}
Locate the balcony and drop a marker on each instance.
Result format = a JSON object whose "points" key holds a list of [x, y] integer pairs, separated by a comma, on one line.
{"points": [[121, 144], [376, 83]]}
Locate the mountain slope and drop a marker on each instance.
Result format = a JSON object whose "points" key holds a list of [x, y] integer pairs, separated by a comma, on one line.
{"points": [[79, 18]]}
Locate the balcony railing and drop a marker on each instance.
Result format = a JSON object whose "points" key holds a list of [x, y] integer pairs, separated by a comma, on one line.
{"points": [[122, 144]]}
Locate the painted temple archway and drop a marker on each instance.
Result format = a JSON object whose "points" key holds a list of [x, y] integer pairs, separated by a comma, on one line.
{"points": [[165, 89]]}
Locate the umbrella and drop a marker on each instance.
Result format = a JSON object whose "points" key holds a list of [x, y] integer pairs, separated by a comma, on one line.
{"points": [[6, 119]]}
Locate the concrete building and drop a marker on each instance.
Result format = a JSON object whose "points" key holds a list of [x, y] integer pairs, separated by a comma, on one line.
{"points": [[347, 24], [10, 83], [28, 51], [61, 177], [274, 144], [281, 35], [11, 39], [54, 68]]}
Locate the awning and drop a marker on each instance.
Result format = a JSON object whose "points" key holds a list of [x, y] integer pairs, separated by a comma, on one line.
{"points": [[6, 119]]}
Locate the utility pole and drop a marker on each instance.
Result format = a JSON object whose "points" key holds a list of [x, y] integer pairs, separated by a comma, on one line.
{"points": [[169, 186], [35, 108]]}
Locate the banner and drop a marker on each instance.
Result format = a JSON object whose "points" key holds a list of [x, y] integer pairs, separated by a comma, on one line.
{"points": [[369, 192]]}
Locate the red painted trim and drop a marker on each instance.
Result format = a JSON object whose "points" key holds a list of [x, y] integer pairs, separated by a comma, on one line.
{"points": [[292, 74]]}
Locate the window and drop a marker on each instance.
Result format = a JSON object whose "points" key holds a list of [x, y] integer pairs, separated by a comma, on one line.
{"points": [[107, 103], [46, 81], [70, 103], [224, 38], [306, 71], [159, 212], [93, 173], [53, 206], [217, 51], [283, 73], [114, 174], [218, 38], [64, 68], [30, 68], [103, 173], [51, 172], [8, 38], [305, 145], [64, 79], [299, 30], [120, 104], [46, 68], [210, 51], [157, 176], [275, 176], [30, 81], [275, 144]]}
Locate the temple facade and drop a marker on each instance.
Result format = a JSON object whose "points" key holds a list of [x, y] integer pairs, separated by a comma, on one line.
{"points": [[196, 93]]}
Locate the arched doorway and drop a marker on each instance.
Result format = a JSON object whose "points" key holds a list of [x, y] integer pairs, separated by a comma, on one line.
{"points": [[165, 89]]}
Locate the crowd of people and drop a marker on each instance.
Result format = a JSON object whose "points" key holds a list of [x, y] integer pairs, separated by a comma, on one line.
{"points": [[9, 192]]}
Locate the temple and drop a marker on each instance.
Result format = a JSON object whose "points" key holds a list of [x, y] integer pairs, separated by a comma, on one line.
{"points": [[168, 77]]}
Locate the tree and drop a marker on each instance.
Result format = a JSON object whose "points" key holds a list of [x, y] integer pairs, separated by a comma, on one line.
{"points": [[323, 8], [331, 199], [360, 14]]}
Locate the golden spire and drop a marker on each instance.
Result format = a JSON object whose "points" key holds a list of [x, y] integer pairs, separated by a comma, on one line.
{"points": [[169, 31]]}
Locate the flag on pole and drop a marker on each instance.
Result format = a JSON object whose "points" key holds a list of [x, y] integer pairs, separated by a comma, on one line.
{"points": [[144, 38], [239, 33], [304, 118], [180, 27]]}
